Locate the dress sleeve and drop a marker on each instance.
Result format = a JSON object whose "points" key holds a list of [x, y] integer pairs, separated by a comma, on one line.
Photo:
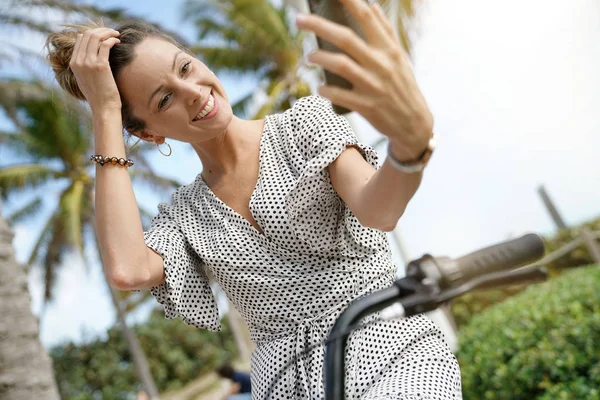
{"points": [[186, 292], [315, 210]]}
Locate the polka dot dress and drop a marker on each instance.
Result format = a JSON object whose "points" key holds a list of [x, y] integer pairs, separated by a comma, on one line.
{"points": [[291, 281]]}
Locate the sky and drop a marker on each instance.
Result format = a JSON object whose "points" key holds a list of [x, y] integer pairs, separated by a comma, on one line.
{"points": [[514, 89]]}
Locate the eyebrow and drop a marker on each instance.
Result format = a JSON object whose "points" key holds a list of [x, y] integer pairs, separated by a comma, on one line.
{"points": [[158, 89]]}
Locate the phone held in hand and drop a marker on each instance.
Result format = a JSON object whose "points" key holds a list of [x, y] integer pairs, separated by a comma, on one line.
{"points": [[334, 11]]}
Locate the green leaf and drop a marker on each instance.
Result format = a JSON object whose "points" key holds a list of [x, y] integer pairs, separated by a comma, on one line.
{"points": [[25, 176]]}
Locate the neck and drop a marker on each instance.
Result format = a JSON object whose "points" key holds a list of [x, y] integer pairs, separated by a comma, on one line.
{"points": [[230, 149]]}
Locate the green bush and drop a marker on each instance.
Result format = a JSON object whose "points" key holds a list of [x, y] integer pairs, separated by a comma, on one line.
{"points": [[543, 343], [177, 354]]}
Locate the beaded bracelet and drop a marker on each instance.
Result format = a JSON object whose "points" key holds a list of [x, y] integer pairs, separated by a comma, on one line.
{"points": [[111, 160]]}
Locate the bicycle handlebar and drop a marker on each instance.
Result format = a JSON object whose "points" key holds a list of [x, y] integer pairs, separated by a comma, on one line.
{"points": [[507, 255], [430, 282]]}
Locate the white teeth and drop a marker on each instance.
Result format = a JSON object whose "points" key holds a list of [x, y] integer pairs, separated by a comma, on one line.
{"points": [[209, 107]]}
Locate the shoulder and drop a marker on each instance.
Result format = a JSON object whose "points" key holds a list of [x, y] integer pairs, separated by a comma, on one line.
{"points": [[309, 125], [311, 103], [309, 109]]}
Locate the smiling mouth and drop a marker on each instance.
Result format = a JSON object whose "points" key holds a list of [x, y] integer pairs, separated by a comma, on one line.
{"points": [[208, 107]]}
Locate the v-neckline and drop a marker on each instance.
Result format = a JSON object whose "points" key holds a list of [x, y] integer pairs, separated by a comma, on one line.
{"points": [[259, 231]]}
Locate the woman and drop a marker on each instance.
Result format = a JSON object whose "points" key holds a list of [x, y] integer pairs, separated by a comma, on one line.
{"points": [[288, 213]]}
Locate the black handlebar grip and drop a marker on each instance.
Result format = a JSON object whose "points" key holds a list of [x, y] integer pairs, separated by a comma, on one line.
{"points": [[503, 256]]}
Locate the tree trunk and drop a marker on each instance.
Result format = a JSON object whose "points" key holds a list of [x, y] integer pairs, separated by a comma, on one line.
{"points": [[140, 362], [25, 368]]}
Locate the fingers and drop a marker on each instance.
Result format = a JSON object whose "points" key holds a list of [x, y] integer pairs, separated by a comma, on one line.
{"points": [[96, 37], [90, 44], [348, 99], [105, 47], [340, 36], [366, 16], [342, 65], [384, 21], [76, 50]]}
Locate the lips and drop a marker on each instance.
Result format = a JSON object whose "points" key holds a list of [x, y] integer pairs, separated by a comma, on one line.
{"points": [[206, 108]]}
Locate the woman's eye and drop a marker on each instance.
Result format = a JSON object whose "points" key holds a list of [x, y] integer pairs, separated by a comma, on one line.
{"points": [[163, 101], [186, 67]]}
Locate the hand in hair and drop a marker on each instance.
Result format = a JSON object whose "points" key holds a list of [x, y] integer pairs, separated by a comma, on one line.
{"points": [[90, 66]]}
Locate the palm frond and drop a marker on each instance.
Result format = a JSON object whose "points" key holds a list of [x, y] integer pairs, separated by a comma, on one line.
{"points": [[240, 107], [274, 93], [230, 59], [51, 125], [25, 22], [71, 208], [133, 300], [42, 241], [73, 11], [14, 91], [254, 32], [45, 249], [139, 148], [210, 28], [26, 176], [153, 181], [27, 211], [54, 132], [25, 59], [52, 257], [250, 24], [19, 144], [71, 7]]}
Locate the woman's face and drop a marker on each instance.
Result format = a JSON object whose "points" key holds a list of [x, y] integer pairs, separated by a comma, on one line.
{"points": [[172, 91]]}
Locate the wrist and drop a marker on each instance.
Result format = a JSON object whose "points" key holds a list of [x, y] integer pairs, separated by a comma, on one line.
{"points": [[104, 114], [108, 133], [404, 152], [414, 163]]}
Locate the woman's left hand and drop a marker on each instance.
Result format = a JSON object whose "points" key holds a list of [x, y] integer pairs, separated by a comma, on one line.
{"points": [[384, 90]]}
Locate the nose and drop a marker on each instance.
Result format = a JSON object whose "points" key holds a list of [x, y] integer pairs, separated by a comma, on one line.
{"points": [[191, 92]]}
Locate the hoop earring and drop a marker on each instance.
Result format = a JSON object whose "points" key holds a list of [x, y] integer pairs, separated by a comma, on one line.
{"points": [[166, 155]]}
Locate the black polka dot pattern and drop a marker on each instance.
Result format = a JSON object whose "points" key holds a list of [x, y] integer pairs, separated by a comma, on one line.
{"points": [[292, 280]]}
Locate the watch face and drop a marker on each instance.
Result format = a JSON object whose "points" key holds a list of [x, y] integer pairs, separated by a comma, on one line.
{"points": [[432, 142]]}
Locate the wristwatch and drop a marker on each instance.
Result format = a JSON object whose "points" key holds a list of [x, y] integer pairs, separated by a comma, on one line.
{"points": [[416, 165]]}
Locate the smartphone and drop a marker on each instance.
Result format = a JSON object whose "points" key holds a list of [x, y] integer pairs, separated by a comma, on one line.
{"points": [[334, 11]]}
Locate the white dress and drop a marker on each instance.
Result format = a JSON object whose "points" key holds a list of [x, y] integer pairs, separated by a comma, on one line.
{"points": [[290, 282]]}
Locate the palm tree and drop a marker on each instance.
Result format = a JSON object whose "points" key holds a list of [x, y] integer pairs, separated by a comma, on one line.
{"points": [[54, 141], [26, 368]]}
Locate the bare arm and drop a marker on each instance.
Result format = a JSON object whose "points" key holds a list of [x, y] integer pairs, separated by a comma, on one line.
{"points": [[377, 198], [128, 262], [384, 91]]}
